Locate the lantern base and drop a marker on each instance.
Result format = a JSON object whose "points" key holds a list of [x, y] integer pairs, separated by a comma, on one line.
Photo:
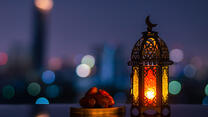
{"points": [[159, 110]]}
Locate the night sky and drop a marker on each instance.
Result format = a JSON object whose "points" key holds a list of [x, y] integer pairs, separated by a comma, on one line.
{"points": [[77, 26]]}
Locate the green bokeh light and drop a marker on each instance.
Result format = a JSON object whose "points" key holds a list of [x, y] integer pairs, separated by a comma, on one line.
{"points": [[8, 92], [174, 87], [33, 89], [89, 60], [206, 90]]}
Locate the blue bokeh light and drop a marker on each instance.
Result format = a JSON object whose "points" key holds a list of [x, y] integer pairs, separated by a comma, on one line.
{"points": [[48, 77], [52, 91], [190, 71], [205, 101], [42, 100]]}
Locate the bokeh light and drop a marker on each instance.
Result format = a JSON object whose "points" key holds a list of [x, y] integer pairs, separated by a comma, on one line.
{"points": [[33, 89], [52, 91], [44, 5], [3, 58], [42, 100], [206, 90], [48, 77], [83, 70], [174, 87], [8, 92], [189, 71], [176, 55], [89, 60], [43, 115], [55, 63], [205, 101]]}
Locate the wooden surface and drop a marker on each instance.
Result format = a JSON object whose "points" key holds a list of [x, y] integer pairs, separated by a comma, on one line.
{"points": [[63, 110]]}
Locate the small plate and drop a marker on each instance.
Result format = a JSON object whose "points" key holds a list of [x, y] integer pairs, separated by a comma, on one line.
{"points": [[97, 111]]}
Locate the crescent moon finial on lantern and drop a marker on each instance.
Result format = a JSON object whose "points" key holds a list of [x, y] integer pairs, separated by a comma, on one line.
{"points": [[149, 24]]}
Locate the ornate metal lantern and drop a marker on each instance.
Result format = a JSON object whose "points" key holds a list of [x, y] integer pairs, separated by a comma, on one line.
{"points": [[149, 78]]}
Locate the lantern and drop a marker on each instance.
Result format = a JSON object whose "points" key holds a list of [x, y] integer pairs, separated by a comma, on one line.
{"points": [[149, 77]]}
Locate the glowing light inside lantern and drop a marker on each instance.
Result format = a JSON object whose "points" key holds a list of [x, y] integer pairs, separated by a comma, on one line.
{"points": [[150, 94], [149, 85]]}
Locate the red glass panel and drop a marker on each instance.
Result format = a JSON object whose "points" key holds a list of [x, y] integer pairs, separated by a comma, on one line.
{"points": [[150, 86]]}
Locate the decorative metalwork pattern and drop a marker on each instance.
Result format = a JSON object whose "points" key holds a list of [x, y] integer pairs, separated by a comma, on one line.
{"points": [[136, 50], [150, 49], [164, 49], [164, 84], [150, 85]]}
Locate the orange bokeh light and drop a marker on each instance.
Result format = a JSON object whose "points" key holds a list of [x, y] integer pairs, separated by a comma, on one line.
{"points": [[44, 5]]}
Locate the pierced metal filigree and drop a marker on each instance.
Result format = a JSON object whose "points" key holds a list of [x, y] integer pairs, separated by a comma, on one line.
{"points": [[150, 49]]}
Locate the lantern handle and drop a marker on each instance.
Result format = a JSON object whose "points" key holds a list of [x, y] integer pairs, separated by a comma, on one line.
{"points": [[149, 24]]}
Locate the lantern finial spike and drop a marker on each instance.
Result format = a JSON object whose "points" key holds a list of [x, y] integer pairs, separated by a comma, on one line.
{"points": [[149, 24]]}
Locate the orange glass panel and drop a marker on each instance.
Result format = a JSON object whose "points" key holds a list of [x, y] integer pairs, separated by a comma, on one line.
{"points": [[150, 86]]}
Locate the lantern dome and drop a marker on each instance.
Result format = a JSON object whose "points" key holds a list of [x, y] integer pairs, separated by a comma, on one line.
{"points": [[150, 49]]}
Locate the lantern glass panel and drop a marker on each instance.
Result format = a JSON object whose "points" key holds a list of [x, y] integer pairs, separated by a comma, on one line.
{"points": [[135, 86], [150, 85], [165, 84]]}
